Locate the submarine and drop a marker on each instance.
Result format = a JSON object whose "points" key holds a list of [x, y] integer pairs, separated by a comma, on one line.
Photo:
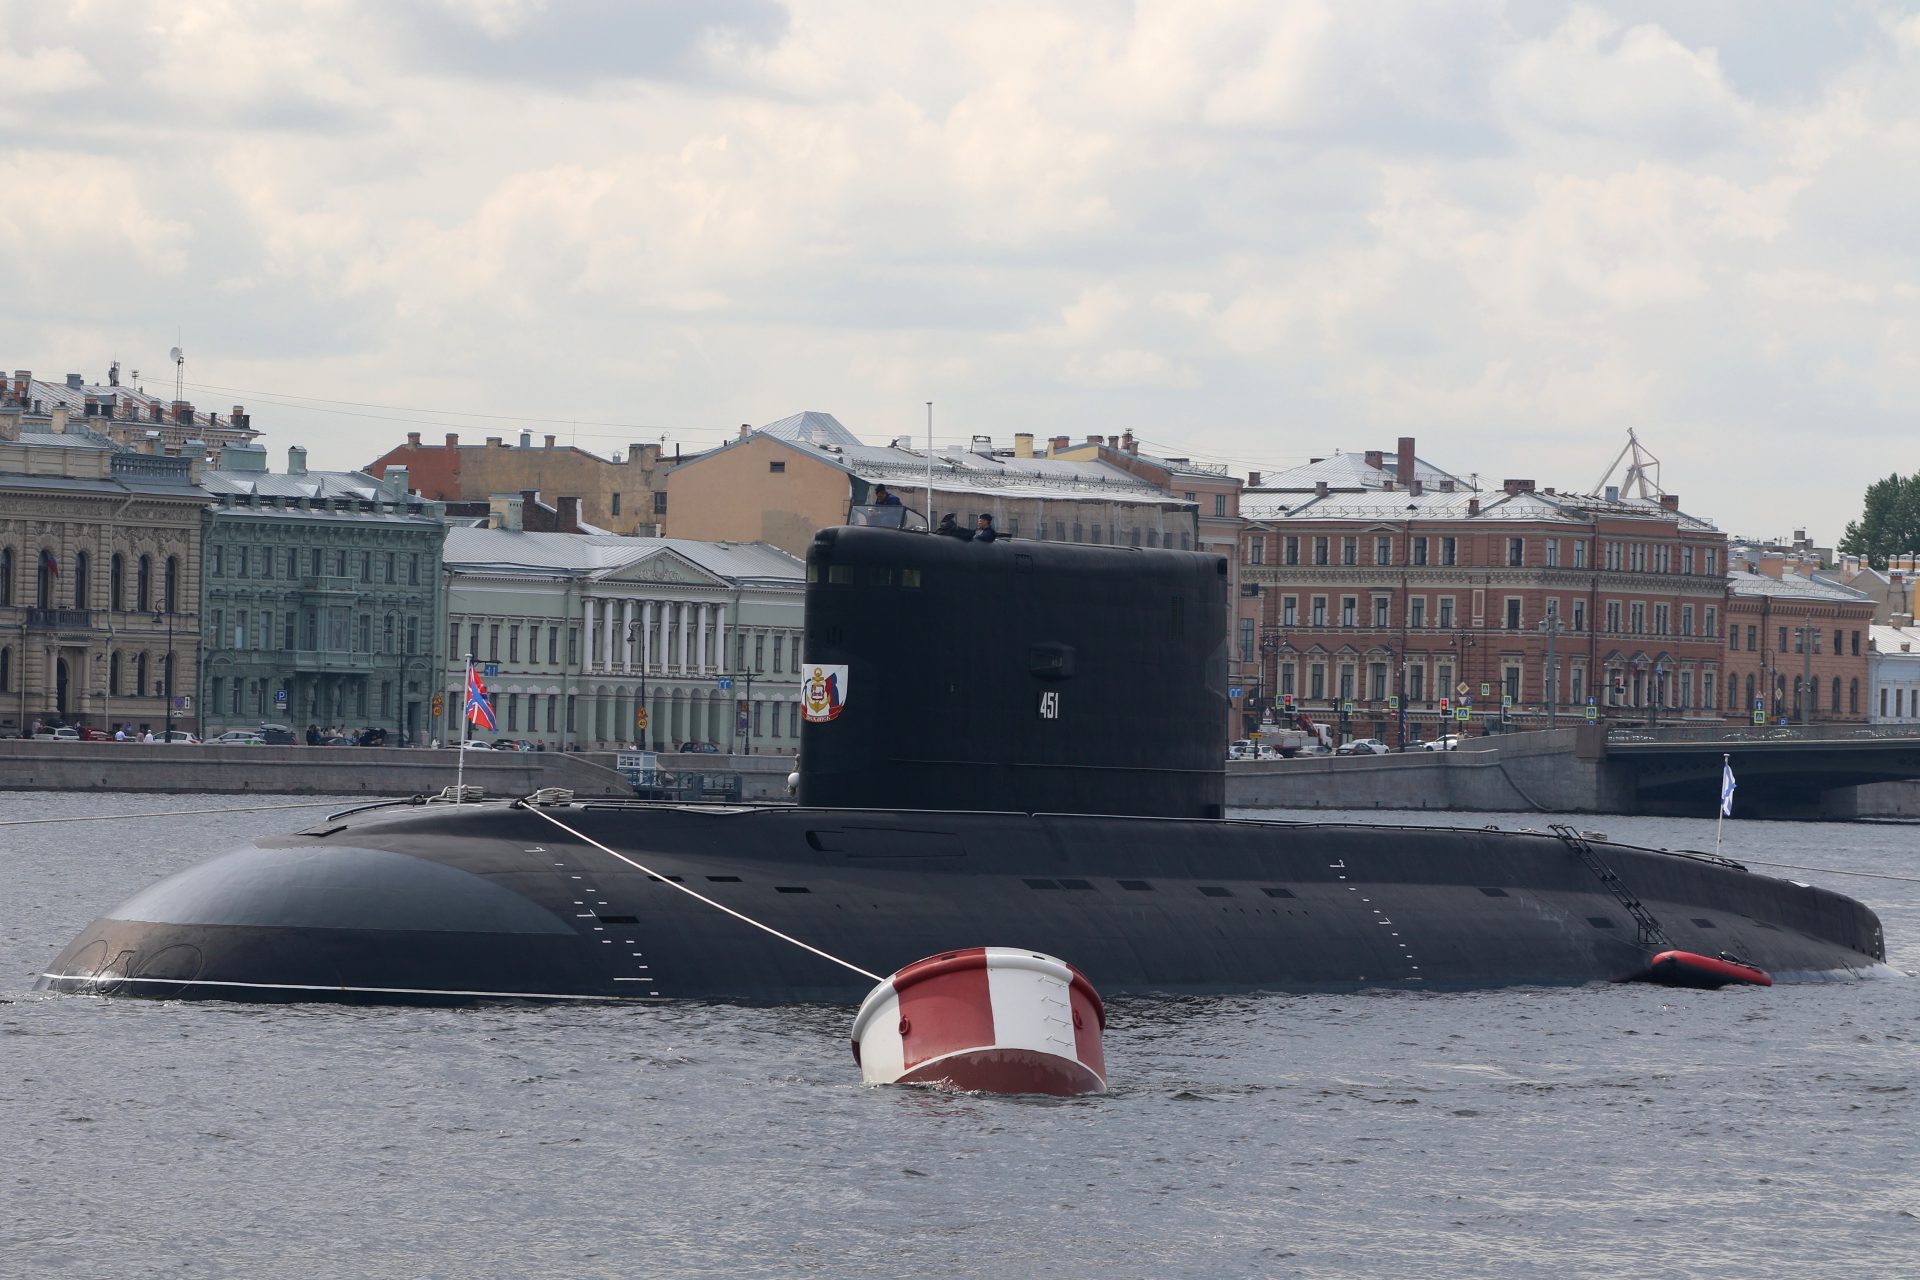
{"points": [[1005, 742]]}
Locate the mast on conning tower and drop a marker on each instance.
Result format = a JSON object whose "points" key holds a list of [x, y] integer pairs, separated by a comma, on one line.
{"points": [[1643, 472]]}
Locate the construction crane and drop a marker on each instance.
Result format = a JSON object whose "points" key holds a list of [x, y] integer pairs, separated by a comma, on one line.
{"points": [[1643, 472]]}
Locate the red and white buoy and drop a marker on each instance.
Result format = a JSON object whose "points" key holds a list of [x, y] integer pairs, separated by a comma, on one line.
{"points": [[987, 1019]]}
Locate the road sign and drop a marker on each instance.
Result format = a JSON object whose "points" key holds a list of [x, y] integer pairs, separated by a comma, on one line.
{"points": [[723, 682], [639, 717], [1506, 700], [1593, 713], [1486, 689], [1759, 717], [1393, 702], [1348, 708], [1464, 713], [439, 705], [280, 700], [1461, 689], [183, 702], [490, 670], [1233, 691], [1590, 701]]}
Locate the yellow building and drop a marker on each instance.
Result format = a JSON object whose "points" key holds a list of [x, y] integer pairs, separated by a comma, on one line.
{"points": [[99, 581], [619, 495]]}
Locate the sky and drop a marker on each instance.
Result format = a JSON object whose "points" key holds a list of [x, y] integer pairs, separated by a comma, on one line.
{"points": [[1249, 232]]}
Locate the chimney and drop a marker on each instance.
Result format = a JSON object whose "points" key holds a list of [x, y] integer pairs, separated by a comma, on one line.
{"points": [[1548, 491], [1253, 479], [1057, 444], [1669, 502], [453, 440], [1405, 471], [504, 512], [1446, 486], [549, 442], [526, 439], [1319, 488], [240, 419], [496, 442], [746, 429], [1613, 493], [1413, 487], [413, 439], [1513, 487], [74, 381], [159, 414], [1473, 506], [59, 420], [1376, 458], [569, 515], [22, 382], [1023, 444], [183, 413], [1094, 439], [93, 406], [296, 460], [1113, 442], [1128, 443], [399, 481]]}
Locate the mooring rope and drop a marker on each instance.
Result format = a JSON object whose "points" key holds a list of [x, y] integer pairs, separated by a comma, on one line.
{"points": [[692, 893], [186, 813], [1833, 871]]}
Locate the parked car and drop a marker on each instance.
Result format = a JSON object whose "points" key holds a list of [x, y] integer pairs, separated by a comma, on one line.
{"points": [[706, 747], [277, 735], [477, 745], [90, 734], [180, 737], [57, 735], [237, 738], [1362, 747], [1446, 742]]}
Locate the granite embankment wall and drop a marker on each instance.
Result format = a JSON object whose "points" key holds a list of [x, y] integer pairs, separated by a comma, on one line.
{"points": [[1554, 771], [381, 771]]}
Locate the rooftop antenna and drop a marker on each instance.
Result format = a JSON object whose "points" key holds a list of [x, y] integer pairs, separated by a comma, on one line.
{"points": [[1643, 473], [179, 359]]}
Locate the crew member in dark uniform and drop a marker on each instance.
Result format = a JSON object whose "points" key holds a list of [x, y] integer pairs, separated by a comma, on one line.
{"points": [[984, 532]]}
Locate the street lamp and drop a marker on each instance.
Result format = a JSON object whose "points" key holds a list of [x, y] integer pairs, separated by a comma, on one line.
{"points": [[1270, 649], [1552, 626], [166, 718], [642, 718]]}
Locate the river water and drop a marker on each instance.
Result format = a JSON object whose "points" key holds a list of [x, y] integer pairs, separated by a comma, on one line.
{"points": [[1600, 1132]]}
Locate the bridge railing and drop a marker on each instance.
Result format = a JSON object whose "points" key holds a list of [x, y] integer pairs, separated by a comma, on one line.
{"points": [[1768, 733]]}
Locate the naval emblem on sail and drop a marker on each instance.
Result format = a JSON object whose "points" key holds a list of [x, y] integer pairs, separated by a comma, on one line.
{"points": [[824, 693]]}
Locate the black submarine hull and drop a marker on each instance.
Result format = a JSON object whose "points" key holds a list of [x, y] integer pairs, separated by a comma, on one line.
{"points": [[456, 904]]}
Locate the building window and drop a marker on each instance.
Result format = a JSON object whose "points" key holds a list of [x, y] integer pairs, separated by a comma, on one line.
{"points": [[1417, 611], [1516, 551], [1613, 617], [1579, 615], [116, 581], [1712, 622], [1579, 555], [1553, 553], [1350, 551], [1446, 611], [217, 561], [1856, 645], [1219, 504], [513, 643], [573, 656], [1383, 550], [1256, 547], [660, 502], [413, 635], [1291, 548], [777, 468], [1320, 550], [1349, 610], [759, 653], [1661, 619], [1290, 611], [1637, 612], [616, 497], [1246, 639], [1853, 696], [779, 651], [1317, 681], [1319, 611], [1513, 613], [1420, 550], [1713, 560], [1449, 549], [413, 571], [1380, 611], [493, 642]]}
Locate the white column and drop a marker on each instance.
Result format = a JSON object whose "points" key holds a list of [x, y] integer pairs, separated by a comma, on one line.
{"points": [[607, 630], [686, 634], [626, 634], [720, 637], [700, 639], [646, 636], [587, 637], [665, 651]]}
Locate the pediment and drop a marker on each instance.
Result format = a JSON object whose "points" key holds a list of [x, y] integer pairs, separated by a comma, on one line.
{"points": [[663, 566]]}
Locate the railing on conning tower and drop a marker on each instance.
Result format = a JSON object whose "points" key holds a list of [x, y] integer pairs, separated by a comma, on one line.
{"points": [[887, 517]]}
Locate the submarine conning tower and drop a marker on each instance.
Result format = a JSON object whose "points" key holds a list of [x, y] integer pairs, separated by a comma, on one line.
{"points": [[1012, 675]]}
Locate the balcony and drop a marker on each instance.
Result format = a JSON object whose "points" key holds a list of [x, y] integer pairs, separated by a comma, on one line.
{"points": [[60, 619]]}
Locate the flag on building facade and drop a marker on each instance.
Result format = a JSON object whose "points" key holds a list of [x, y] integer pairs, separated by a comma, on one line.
{"points": [[50, 561], [479, 705]]}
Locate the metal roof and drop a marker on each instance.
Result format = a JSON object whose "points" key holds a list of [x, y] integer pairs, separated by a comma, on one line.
{"points": [[1350, 471], [568, 554], [811, 427], [1794, 587], [357, 485]]}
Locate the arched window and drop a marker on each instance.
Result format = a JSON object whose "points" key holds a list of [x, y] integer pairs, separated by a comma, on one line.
{"points": [[6, 575], [143, 593], [173, 585], [80, 562], [117, 583], [6, 670], [1834, 706], [1749, 690], [140, 675], [113, 675], [47, 573], [1853, 696]]}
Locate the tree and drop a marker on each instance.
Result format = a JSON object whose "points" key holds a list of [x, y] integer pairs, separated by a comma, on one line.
{"points": [[1889, 523]]}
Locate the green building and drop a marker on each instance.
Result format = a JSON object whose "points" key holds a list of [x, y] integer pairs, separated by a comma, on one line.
{"points": [[320, 601]]}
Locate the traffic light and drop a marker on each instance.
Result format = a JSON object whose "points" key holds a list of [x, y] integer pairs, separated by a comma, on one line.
{"points": [[1443, 706]]}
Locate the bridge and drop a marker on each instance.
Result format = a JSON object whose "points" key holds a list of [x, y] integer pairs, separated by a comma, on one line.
{"points": [[1783, 771]]}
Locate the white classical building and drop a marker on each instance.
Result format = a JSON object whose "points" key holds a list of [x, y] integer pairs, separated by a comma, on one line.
{"points": [[1893, 675], [577, 634]]}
